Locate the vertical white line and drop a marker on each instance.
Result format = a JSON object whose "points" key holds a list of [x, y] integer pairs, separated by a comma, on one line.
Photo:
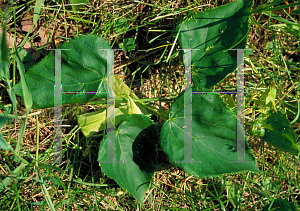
{"points": [[110, 113], [110, 127], [240, 126], [188, 140], [57, 108]]}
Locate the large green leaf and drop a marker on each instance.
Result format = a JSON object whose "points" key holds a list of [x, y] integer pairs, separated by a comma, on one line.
{"points": [[281, 135], [213, 136], [84, 69], [135, 144], [212, 32]]}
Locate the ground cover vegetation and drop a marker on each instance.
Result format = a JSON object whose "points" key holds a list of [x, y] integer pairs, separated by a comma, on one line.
{"points": [[150, 105]]}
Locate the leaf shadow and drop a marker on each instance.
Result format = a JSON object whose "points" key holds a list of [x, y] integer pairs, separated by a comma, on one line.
{"points": [[144, 149]]}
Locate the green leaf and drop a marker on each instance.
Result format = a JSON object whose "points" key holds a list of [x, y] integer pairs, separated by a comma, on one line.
{"points": [[4, 54], [135, 144], [132, 108], [45, 192], [233, 194], [282, 136], [57, 182], [4, 65], [94, 122], [3, 121], [26, 91], [121, 89], [5, 183], [257, 127], [213, 32], [3, 143], [270, 6], [77, 7], [271, 97], [229, 101], [164, 114], [280, 205], [26, 58], [213, 136], [128, 44], [292, 108], [84, 69], [121, 25], [50, 167], [289, 28]]}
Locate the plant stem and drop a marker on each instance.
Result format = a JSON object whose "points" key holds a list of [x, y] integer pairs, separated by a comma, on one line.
{"points": [[135, 100]]}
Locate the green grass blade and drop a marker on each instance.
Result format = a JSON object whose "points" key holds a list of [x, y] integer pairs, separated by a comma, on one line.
{"points": [[37, 10], [4, 54], [4, 184], [26, 92], [3, 143], [5, 65], [21, 134], [46, 193]]}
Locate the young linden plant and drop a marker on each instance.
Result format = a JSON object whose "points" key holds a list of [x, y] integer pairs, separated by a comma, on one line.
{"points": [[135, 138]]}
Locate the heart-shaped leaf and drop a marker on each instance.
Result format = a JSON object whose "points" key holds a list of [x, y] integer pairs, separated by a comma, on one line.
{"points": [[212, 33], [281, 135], [84, 69], [135, 144], [213, 135]]}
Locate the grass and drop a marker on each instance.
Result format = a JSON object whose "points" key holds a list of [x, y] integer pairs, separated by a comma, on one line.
{"points": [[79, 183]]}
